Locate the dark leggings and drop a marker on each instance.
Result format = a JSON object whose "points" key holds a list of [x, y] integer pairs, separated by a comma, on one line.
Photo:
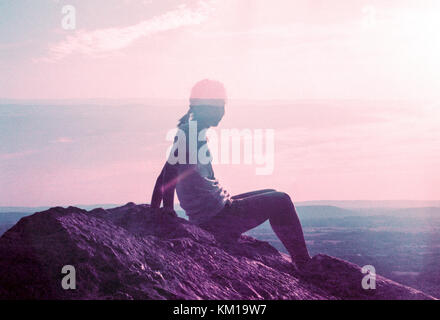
{"points": [[249, 210]]}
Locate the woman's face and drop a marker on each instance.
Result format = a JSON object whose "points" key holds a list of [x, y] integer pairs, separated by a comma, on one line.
{"points": [[209, 115]]}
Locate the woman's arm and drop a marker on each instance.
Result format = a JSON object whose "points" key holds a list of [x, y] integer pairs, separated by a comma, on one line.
{"points": [[157, 196], [165, 186], [169, 184]]}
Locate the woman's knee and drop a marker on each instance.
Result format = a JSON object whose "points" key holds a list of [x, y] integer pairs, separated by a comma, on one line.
{"points": [[283, 199], [284, 196]]}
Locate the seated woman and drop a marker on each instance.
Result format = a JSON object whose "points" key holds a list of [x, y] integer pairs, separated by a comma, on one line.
{"points": [[204, 200]]}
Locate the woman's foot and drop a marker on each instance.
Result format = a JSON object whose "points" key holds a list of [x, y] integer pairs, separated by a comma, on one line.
{"points": [[302, 264], [313, 267]]}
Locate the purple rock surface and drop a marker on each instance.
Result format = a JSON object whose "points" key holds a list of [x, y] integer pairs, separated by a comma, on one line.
{"points": [[135, 252]]}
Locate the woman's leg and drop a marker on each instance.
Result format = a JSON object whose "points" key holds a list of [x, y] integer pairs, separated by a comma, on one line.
{"points": [[249, 212], [252, 193]]}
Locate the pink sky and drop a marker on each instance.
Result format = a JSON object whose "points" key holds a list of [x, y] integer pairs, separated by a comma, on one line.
{"points": [[259, 49], [360, 79]]}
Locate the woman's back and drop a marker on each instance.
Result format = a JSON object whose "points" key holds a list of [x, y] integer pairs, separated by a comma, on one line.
{"points": [[199, 192]]}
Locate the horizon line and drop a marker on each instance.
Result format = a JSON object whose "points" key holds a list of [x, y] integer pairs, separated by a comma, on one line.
{"points": [[177, 203], [8, 100]]}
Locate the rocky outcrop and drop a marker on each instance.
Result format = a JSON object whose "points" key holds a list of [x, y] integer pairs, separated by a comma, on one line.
{"points": [[135, 252]]}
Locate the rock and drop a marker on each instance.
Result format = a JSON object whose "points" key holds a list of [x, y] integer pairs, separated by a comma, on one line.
{"points": [[136, 252]]}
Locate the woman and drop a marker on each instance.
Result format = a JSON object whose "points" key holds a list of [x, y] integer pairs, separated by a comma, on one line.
{"points": [[205, 202]]}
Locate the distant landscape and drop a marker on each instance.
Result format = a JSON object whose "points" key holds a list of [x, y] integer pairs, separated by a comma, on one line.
{"points": [[402, 243]]}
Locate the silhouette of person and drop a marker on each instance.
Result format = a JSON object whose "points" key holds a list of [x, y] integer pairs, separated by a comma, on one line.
{"points": [[205, 201]]}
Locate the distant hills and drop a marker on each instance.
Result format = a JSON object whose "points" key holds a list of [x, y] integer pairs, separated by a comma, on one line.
{"points": [[322, 212], [307, 210], [368, 204], [344, 204]]}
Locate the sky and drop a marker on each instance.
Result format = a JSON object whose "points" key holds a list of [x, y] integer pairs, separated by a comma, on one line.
{"points": [[260, 50], [350, 89]]}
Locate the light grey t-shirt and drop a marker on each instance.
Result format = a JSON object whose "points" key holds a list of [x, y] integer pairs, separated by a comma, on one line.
{"points": [[199, 192]]}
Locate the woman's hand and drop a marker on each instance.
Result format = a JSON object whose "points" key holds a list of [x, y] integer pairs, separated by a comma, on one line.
{"points": [[169, 211], [165, 211]]}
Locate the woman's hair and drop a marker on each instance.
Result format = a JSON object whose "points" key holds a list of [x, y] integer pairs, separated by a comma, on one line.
{"points": [[185, 118]]}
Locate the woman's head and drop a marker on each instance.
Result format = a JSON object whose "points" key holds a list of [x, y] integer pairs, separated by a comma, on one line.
{"points": [[207, 103]]}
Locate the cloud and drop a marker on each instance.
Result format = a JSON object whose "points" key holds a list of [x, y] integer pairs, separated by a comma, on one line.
{"points": [[16, 155], [62, 140], [103, 41]]}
